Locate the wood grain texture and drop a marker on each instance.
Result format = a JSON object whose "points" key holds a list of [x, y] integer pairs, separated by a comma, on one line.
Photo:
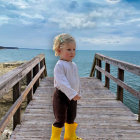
{"points": [[119, 82], [18, 102], [120, 64], [99, 115], [9, 79]]}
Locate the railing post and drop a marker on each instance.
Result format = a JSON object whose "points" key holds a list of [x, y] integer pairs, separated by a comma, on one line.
{"points": [[35, 71], [92, 73], [99, 74], [45, 72], [42, 63], [107, 80], [30, 94], [17, 115], [139, 112], [120, 89]]}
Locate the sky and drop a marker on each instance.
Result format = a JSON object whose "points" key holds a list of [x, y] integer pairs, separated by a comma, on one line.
{"points": [[95, 24]]}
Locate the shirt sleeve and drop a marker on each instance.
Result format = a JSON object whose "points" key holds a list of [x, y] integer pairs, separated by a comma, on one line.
{"points": [[62, 82]]}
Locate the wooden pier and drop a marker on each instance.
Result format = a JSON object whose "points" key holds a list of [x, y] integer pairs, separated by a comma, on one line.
{"points": [[101, 114]]}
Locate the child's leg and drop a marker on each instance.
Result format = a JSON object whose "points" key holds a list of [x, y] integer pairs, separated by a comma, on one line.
{"points": [[71, 111], [70, 125], [60, 105]]}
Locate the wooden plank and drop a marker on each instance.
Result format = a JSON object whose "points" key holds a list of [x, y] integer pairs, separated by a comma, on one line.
{"points": [[104, 118]]}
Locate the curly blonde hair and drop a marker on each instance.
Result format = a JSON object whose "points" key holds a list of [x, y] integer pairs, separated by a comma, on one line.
{"points": [[60, 40]]}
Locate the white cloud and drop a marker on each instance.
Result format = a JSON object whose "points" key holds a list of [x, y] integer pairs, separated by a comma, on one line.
{"points": [[4, 20], [68, 21], [110, 40], [50, 10], [113, 1], [25, 22], [21, 11], [134, 20], [115, 16], [110, 21], [32, 16], [18, 3]]}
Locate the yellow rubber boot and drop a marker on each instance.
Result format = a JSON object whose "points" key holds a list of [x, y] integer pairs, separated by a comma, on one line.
{"points": [[70, 132], [56, 132]]}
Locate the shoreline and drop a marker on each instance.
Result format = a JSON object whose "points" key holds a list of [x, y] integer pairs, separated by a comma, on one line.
{"points": [[2, 47], [8, 66]]}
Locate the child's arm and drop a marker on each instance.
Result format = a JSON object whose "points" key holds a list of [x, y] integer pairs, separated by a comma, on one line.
{"points": [[62, 83]]}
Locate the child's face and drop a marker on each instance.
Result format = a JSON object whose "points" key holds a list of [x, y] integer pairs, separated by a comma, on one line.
{"points": [[67, 52]]}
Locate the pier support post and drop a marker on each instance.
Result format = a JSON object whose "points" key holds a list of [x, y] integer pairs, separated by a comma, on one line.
{"points": [[17, 115], [35, 71], [120, 89], [42, 63], [139, 112], [30, 94], [107, 80], [45, 72], [99, 74], [92, 73]]}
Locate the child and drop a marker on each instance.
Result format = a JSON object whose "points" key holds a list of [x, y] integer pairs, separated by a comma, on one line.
{"points": [[67, 83]]}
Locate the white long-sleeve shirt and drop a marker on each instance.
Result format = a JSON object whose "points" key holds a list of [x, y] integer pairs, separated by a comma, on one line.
{"points": [[66, 78]]}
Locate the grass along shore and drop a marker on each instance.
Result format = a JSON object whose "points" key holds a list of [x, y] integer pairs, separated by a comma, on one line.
{"points": [[7, 100], [8, 66]]}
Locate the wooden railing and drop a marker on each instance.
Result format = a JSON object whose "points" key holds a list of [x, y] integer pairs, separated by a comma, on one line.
{"points": [[122, 66], [32, 71]]}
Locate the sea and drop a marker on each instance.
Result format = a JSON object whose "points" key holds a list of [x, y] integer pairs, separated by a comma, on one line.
{"points": [[84, 60]]}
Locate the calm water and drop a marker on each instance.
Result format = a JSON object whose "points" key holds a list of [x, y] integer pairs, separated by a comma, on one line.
{"points": [[84, 61]]}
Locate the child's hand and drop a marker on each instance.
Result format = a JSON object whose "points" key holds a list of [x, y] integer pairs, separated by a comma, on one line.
{"points": [[77, 97]]}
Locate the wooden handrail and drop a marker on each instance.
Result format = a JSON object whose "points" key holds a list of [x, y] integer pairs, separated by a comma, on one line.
{"points": [[32, 70], [122, 66], [9, 79]]}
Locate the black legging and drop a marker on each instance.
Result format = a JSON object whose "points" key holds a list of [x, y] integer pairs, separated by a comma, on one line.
{"points": [[64, 109]]}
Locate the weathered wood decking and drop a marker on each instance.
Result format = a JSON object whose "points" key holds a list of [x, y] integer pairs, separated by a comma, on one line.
{"points": [[99, 115]]}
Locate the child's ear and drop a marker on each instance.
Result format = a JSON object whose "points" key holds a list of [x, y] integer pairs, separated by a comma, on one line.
{"points": [[59, 51]]}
